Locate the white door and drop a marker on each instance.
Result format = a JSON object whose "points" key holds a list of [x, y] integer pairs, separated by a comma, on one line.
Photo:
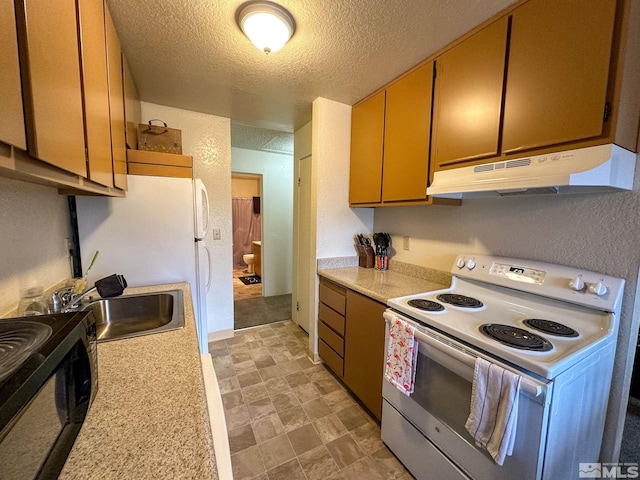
{"points": [[305, 274]]}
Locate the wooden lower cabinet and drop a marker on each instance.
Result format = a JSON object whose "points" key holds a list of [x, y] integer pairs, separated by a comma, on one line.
{"points": [[351, 341], [364, 350], [331, 325]]}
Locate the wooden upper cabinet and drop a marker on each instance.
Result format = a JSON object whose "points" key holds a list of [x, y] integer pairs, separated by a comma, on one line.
{"points": [[468, 97], [116, 104], [367, 134], [11, 111], [132, 113], [558, 72], [406, 136], [50, 61], [95, 91]]}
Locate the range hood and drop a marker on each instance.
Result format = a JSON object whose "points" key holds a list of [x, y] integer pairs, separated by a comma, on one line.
{"points": [[592, 169]]}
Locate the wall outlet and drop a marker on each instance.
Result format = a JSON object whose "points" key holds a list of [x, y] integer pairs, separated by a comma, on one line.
{"points": [[216, 234], [405, 243]]}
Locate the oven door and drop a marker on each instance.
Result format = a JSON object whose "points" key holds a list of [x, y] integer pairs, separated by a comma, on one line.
{"points": [[426, 429]]}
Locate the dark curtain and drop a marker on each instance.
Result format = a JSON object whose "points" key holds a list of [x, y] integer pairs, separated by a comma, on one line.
{"points": [[246, 229]]}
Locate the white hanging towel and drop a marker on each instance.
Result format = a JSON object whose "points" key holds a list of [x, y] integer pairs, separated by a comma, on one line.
{"points": [[493, 418], [402, 353]]}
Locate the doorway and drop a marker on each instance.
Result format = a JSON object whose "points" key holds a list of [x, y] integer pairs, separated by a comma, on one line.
{"points": [[247, 235], [269, 300]]}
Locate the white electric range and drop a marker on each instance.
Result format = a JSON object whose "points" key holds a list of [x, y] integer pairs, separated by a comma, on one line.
{"points": [[556, 326]]}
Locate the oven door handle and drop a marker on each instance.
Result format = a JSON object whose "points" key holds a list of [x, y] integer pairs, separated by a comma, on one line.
{"points": [[454, 351]]}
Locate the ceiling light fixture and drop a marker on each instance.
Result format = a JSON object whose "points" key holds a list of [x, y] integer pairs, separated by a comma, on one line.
{"points": [[268, 25]]}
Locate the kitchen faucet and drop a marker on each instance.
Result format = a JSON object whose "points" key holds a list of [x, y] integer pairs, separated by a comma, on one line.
{"points": [[67, 300]]}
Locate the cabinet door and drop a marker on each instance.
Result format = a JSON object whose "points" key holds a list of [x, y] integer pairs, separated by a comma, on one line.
{"points": [[367, 133], [116, 104], [11, 111], [96, 91], [468, 97], [406, 136], [364, 350], [132, 113], [50, 61], [557, 74]]}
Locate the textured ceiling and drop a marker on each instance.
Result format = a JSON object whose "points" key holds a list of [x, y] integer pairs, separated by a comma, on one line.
{"points": [[253, 138], [191, 54]]}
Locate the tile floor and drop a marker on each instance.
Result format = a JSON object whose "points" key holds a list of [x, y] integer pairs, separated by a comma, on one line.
{"points": [[289, 419]]}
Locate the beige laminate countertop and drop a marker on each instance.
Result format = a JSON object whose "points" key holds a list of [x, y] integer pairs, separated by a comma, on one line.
{"points": [[380, 285], [149, 419]]}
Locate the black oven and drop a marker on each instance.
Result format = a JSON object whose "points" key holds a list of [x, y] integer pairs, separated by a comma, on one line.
{"points": [[48, 379]]}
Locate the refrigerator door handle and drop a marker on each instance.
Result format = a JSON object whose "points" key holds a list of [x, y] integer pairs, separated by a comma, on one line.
{"points": [[207, 285], [201, 208], [205, 214]]}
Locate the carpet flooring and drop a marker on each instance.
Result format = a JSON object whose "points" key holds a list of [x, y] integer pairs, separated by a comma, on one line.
{"points": [[250, 312]]}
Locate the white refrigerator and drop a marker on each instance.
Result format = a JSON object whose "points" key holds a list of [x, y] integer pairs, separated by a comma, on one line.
{"points": [[157, 234]]}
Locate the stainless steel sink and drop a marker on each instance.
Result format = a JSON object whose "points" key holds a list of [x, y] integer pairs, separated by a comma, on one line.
{"points": [[135, 315]]}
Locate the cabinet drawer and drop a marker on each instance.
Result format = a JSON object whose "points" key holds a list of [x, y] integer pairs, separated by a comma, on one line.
{"points": [[331, 358], [331, 318], [334, 296], [331, 338]]}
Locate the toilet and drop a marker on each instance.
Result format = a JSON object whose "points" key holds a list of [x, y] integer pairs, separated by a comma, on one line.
{"points": [[248, 259]]}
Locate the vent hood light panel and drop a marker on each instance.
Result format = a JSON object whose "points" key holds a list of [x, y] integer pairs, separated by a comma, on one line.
{"points": [[593, 169]]}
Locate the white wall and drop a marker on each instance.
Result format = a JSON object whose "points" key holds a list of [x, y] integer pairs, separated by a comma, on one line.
{"points": [[334, 222], [207, 138], [276, 214], [34, 223], [598, 232], [331, 147]]}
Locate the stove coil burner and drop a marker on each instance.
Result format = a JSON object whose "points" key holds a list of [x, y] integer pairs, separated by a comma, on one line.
{"points": [[426, 305], [460, 300], [516, 337], [552, 328]]}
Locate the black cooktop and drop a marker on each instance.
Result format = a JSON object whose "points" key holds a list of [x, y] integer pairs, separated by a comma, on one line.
{"points": [[426, 305], [460, 300], [516, 337], [550, 327]]}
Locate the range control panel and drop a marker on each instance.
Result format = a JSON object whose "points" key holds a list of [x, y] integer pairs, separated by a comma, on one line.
{"points": [[554, 281], [518, 273]]}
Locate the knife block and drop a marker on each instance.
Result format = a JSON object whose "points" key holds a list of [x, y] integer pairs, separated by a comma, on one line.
{"points": [[365, 256]]}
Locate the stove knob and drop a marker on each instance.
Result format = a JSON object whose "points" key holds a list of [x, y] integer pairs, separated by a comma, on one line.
{"points": [[460, 263], [471, 264], [597, 288], [576, 284]]}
